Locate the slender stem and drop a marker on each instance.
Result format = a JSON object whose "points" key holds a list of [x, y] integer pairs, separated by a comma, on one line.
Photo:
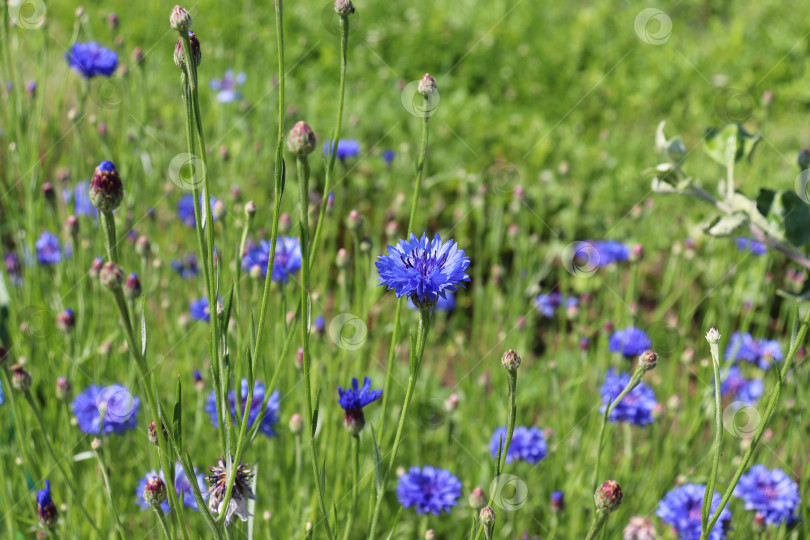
{"points": [[108, 491], [355, 485], [107, 222], [162, 520], [718, 441], [596, 526]]}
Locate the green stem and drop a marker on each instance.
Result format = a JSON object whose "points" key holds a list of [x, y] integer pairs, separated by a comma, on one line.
{"points": [[108, 491], [162, 520], [355, 484], [107, 222], [718, 441], [596, 526]]}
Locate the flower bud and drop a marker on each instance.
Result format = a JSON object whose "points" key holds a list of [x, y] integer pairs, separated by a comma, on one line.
{"points": [[557, 501], [154, 492], [20, 379], [64, 391], [451, 403], [296, 424], [137, 56], [112, 275], [180, 19], [430, 534], [106, 189], [648, 360], [342, 258], [48, 192], [142, 246], [285, 224], [95, 444], [510, 360], [487, 516], [713, 336], [365, 245], [608, 496], [250, 209], [391, 229], [355, 221], [66, 320], [152, 434], [132, 286], [344, 8], [196, 52], [477, 498], [72, 225], [427, 85], [95, 268], [301, 139]]}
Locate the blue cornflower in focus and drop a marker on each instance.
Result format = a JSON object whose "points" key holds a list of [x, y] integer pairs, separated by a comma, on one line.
{"points": [[429, 490], [601, 253], [630, 342], [48, 250], [199, 310], [681, 508], [185, 209], [287, 258], [46, 509], [751, 246], [91, 59], [186, 267], [105, 410], [346, 148], [388, 156], [423, 269], [353, 400], [448, 303], [528, 444], [742, 346], [771, 493], [181, 484], [226, 86], [636, 407], [267, 421], [740, 388]]}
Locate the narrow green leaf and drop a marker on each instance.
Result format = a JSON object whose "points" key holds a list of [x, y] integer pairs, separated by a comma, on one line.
{"points": [[178, 415], [396, 522]]}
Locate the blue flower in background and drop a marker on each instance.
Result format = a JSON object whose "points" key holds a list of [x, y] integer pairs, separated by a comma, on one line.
{"points": [[185, 209], [423, 269], [14, 268], [388, 156], [182, 486], [739, 388], [601, 253], [48, 250], [80, 197], [742, 346], [429, 490], [528, 444], [2, 397], [226, 86], [630, 342], [186, 267], [267, 421], [105, 410], [771, 493], [751, 246], [91, 59], [287, 258], [681, 509], [636, 407], [199, 310], [346, 148]]}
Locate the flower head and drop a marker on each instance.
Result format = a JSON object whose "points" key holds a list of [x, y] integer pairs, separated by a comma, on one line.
{"points": [[106, 189], [218, 481], [630, 342], [601, 253], [12, 263], [742, 346], [344, 8], [46, 509], [180, 55], [105, 410], [91, 59], [185, 209], [226, 86], [751, 246], [353, 400], [740, 388], [270, 417], [182, 485], [636, 407], [423, 269], [346, 148], [287, 259], [199, 310], [528, 444], [427, 85], [48, 250], [429, 490], [80, 196], [180, 19], [681, 509], [608, 496], [388, 156], [771, 493], [547, 304]]}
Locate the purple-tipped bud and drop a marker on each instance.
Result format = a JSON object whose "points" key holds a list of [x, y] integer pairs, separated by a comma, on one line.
{"points": [[299, 358], [344, 8], [20, 379], [250, 209], [355, 221], [354, 421], [64, 391], [199, 383], [132, 287], [112, 276], [804, 159], [95, 268], [66, 320], [584, 343], [218, 210], [427, 85], [180, 19], [137, 56], [296, 424], [154, 492], [451, 403], [48, 192], [224, 155], [608, 496], [102, 129], [510, 360], [477, 498], [487, 516], [648, 360], [46, 509], [557, 501], [758, 525], [301, 139], [142, 246], [342, 258], [196, 52], [72, 225], [106, 189], [31, 89], [285, 224], [430, 534], [112, 20], [152, 434]]}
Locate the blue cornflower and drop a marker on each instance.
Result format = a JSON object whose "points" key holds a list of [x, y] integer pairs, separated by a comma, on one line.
{"points": [[448, 303], [742, 346], [771, 493], [429, 489], [681, 509], [91, 59], [105, 410], [80, 196], [2, 397], [48, 250], [630, 342], [226, 86], [186, 267], [751, 246], [388, 156], [199, 310], [346, 148], [636, 407], [268, 420], [185, 209], [557, 501], [353, 400], [547, 304], [422, 269], [46, 509], [528, 444], [740, 388], [287, 258], [601, 253], [181, 484], [319, 324]]}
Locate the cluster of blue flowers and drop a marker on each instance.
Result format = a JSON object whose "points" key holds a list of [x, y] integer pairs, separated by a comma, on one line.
{"points": [[750, 246], [771, 493], [199, 310], [49, 251], [736, 386], [287, 258], [528, 444], [187, 267], [548, 303], [636, 407], [80, 197], [742, 346]]}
